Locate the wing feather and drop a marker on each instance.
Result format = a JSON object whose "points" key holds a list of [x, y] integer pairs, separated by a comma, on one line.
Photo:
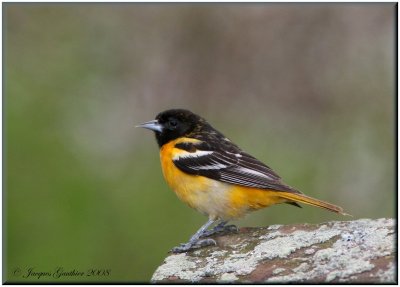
{"points": [[231, 166]]}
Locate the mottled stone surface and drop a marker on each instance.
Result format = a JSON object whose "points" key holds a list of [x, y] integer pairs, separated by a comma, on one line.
{"points": [[359, 251]]}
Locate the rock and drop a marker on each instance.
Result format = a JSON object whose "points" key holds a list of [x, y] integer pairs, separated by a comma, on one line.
{"points": [[359, 251]]}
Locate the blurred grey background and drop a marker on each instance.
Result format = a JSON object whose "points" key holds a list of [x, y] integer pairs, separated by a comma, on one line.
{"points": [[309, 89]]}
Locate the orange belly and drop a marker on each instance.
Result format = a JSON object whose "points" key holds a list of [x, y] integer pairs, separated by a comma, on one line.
{"points": [[211, 197]]}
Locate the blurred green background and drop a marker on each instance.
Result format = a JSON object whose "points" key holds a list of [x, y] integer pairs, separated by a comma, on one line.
{"points": [[306, 88]]}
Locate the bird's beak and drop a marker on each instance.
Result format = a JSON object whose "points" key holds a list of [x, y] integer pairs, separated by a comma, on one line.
{"points": [[153, 125]]}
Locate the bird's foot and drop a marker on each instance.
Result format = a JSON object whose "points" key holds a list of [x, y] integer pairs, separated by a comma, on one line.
{"points": [[220, 229], [189, 246]]}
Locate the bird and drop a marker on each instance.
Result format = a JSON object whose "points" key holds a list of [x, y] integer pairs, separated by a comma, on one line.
{"points": [[211, 174]]}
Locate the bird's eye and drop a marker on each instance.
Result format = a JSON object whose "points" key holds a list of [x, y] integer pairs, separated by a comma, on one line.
{"points": [[173, 123]]}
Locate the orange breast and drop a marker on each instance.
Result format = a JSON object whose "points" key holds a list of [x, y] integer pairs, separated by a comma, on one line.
{"points": [[211, 197]]}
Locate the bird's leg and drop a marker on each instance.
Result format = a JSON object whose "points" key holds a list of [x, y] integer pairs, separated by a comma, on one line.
{"points": [[221, 227], [195, 241]]}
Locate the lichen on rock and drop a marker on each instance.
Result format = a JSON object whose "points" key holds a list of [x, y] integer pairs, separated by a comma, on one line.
{"points": [[359, 251]]}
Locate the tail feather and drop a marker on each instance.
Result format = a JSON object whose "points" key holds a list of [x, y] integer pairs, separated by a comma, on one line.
{"points": [[298, 197]]}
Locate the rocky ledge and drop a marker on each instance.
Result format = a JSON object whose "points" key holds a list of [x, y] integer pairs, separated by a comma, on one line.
{"points": [[358, 251]]}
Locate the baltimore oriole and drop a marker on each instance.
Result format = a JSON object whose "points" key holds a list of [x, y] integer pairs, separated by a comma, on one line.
{"points": [[214, 176]]}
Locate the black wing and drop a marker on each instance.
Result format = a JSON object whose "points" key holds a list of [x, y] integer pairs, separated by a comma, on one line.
{"points": [[227, 163]]}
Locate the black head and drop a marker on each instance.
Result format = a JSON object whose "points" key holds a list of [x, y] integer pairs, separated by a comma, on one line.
{"points": [[175, 123]]}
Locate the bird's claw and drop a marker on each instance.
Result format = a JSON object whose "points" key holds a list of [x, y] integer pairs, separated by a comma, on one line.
{"points": [[231, 228], [189, 246], [218, 230], [205, 242]]}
